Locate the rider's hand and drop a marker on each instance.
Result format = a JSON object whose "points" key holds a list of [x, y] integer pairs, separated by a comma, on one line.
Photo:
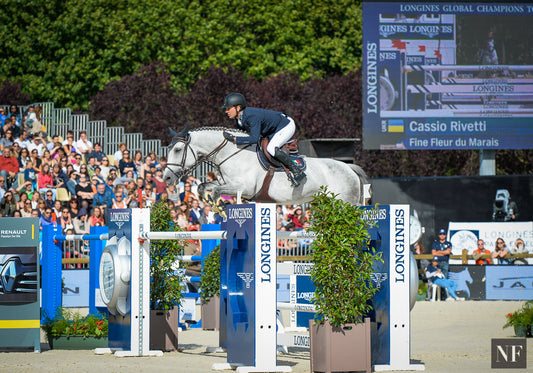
{"points": [[229, 136]]}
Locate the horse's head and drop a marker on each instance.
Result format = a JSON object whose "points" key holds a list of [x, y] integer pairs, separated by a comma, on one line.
{"points": [[180, 157]]}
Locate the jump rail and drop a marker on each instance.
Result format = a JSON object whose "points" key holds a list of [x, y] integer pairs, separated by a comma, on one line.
{"points": [[79, 237], [215, 235]]}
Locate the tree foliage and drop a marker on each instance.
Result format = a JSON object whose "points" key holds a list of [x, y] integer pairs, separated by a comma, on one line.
{"points": [[66, 51], [11, 94], [145, 102]]}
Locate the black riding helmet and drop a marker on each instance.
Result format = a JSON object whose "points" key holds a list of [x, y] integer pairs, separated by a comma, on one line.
{"points": [[234, 99]]}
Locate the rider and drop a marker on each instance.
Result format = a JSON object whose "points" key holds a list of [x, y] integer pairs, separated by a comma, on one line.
{"points": [[278, 127]]}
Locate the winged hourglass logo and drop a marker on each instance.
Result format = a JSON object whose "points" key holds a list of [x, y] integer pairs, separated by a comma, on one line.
{"points": [[247, 277], [378, 278]]}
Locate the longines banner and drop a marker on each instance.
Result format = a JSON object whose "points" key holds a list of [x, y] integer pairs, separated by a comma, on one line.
{"points": [[75, 288], [465, 235], [509, 282]]}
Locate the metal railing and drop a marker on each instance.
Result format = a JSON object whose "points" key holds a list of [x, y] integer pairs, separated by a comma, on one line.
{"points": [[59, 120], [464, 257], [76, 253]]}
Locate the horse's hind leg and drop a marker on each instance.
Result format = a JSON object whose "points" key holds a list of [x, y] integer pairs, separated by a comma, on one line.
{"points": [[227, 189]]}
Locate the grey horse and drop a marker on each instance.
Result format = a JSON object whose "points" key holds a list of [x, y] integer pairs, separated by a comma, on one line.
{"points": [[240, 173]]}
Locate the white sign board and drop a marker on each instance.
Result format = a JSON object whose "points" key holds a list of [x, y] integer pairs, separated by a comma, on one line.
{"points": [[465, 236]]}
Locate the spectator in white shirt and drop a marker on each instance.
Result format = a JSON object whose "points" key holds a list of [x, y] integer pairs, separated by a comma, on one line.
{"points": [[84, 146]]}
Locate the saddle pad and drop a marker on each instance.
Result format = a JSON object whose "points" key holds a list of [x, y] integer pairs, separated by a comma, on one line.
{"points": [[298, 159]]}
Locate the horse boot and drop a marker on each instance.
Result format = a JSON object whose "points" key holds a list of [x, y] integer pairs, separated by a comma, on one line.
{"points": [[297, 174]]}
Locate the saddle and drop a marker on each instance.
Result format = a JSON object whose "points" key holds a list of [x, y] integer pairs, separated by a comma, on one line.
{"points": [[271, 165], [290, 148]]}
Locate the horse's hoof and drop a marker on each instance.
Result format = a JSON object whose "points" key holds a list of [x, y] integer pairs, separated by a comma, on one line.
{"points": [[214, 207], [221, 207]]}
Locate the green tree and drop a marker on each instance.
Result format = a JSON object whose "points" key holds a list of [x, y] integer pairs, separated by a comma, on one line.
{"points": [[67, 51]]}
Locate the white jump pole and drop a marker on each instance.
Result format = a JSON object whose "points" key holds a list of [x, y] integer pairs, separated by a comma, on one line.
{"points": [[204, 235]]}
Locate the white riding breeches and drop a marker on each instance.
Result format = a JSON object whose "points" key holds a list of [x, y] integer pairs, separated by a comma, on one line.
{"points": [[281, 137]]}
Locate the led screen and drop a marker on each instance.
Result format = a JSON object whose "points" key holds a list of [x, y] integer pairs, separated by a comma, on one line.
{"points": [[447, 75]]}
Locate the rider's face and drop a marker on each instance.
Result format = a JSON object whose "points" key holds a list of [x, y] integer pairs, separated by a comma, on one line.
{"points": [[231, 112]]}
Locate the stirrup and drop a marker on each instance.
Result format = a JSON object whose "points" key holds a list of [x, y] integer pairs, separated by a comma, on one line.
{"points": [[294, 182]]}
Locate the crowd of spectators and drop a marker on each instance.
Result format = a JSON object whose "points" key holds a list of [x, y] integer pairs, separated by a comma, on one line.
{"points": [[71, 182]]}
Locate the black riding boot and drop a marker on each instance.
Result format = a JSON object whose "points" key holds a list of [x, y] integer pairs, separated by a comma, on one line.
{"points": [[298, 175]]}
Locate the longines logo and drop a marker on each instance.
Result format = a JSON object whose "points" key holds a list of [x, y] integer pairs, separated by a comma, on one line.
{"points": [[240, 222], [119, 218], [240, 213], [306, 295], [378, 278], [247, 277]]}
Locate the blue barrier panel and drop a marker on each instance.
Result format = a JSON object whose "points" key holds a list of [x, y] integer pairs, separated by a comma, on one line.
{"points": [[51, 272], [52, 254], [96, 248]]}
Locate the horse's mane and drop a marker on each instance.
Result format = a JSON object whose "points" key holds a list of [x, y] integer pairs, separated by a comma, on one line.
{"points": [[219, 129]]}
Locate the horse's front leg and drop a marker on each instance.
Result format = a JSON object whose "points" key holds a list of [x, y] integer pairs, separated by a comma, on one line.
{"points": [[204, 190], [210, 193]]}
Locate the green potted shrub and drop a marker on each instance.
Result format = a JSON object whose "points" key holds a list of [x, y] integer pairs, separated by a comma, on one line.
{"points": [[210, 290], [166, 282], [521, 320], [343, 264], [70, 330]]}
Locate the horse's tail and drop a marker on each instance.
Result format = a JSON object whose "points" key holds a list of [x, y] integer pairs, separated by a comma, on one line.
{"points": [[363, 179]]}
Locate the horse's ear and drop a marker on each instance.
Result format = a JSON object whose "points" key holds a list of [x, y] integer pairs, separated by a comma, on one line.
{"points": [[172, 132], [184, 133]]}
